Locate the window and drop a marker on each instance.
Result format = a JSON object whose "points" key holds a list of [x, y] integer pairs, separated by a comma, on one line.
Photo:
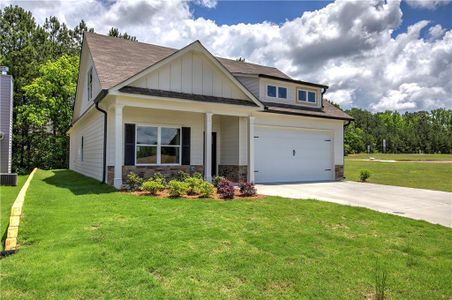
{"points": [[158, 145], [282, 92], [90, 83], [307, 96], [81, 150], [271, 91]]}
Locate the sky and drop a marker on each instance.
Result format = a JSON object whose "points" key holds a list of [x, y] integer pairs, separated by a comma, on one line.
{"points": [[376, 55]]}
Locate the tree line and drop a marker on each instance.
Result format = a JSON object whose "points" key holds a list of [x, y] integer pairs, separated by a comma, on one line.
{"points": [[43, 60], [410, 132]]}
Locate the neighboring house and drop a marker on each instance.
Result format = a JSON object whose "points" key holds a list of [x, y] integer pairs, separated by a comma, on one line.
{"points": [[167, 110]]}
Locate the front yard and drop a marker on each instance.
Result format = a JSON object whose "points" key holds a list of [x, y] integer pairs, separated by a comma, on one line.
{"points": [[81, 239], [422, 175]]}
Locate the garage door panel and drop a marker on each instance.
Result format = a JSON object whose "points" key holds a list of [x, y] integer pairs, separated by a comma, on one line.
{"points": [[291, 155]]}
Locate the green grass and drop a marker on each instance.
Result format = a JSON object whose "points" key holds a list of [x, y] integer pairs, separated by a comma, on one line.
{"points": [[402, 157], [83, 240], [431, 176], [7, 196]]}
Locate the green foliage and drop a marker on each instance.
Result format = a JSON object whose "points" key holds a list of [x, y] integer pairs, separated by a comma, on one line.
{"points": [[181, 176], [152, 186], [194, 185], [381, 275], [216, 180], [134, 181], [115, 32], [177, 188], [364, 175], [159, 177], [206, 189], [197, 175]]}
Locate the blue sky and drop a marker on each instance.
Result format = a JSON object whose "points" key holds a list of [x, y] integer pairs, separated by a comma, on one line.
{"points": [[234, 12]]}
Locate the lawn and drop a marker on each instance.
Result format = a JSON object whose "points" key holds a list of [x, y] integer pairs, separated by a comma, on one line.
{"points": [[80, 239], [402, 157], [7, 196], [434, 176]]}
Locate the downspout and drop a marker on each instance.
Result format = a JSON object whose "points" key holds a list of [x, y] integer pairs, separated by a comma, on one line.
{"points": [[323, 92], [105, 142]]}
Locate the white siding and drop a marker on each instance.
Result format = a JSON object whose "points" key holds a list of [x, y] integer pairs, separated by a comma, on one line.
{"points": [[192, 73], [229, 141], [335, 126], [91, 128]]}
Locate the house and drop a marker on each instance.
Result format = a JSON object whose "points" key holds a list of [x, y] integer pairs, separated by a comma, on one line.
{"points": [[144, 108]]}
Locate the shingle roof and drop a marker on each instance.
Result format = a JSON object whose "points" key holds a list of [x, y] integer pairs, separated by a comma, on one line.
{"points": [[328, 111], [116, 59]]}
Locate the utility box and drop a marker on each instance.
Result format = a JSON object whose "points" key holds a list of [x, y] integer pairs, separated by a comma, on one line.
{"points": [[6, 128]]}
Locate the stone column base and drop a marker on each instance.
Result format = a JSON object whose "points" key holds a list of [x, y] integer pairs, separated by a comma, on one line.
{"points": [[234, 173], [339, 172]]}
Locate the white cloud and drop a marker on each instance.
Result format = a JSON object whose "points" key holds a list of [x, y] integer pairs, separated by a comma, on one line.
{"points": [[346, 45], [428, 4]]}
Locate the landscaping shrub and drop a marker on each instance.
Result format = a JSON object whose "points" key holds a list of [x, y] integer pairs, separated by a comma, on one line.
{"points": [[197, 175], [159, 177], [181, 176], [225, 189], [194, 185], [216, 180], [177, 188], [364, 175], [206, 189], [247, 189], [153, 186], [134, 181]]}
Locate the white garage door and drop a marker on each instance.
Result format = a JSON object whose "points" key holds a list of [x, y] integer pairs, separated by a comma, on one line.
{"points": [[285, 154]]}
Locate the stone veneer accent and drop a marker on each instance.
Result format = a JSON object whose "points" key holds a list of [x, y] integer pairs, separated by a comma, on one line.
{"points": [[339, 172], [148, 171], [234, 173]]}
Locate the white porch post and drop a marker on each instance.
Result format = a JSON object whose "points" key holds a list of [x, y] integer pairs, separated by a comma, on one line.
{"points": [[208, 147], [117, 182], [251, 149]]}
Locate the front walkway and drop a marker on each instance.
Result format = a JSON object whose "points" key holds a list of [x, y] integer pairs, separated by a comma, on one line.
{"points": [[431, 206]]}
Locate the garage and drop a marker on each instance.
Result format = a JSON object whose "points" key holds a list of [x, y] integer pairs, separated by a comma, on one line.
{"points": [[288, 154]]}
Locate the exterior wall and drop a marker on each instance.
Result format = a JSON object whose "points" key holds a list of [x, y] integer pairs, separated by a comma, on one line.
{"points": [[335, 126], [192, 74], [251, 83], [82, 103], [233, 172], [6, 122], [92, 130], [291, 92]]}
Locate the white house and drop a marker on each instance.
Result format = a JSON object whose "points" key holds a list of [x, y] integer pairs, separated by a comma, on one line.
{"points": [[146, 108]]}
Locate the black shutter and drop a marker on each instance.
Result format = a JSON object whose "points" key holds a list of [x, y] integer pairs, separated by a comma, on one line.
{"points": [[186, 137], [129, 145]]}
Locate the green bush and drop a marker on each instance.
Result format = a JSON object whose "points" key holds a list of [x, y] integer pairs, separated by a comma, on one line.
{"points": [[153, 186], [216, 180], [159, 177], [364, 175], [197, 175], [194, 185], [206, 189], [134, 181], [177, 188], [181, 176]]}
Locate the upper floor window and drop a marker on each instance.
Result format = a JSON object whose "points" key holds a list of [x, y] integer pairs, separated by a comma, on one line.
{"points": [[90, 83], [274, 91], [306, 96]]}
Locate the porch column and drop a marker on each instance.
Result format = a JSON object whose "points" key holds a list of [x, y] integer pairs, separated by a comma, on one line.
{"points": [[251, 149], [119, 156], [208, 147]]}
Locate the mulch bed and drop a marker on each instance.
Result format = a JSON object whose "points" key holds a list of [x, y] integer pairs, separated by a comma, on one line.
{"points": [[214, 196]]}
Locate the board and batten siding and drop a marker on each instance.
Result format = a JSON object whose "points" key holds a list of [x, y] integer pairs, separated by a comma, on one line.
{"points": [[192, 73], [6, 116], [92, 130]]}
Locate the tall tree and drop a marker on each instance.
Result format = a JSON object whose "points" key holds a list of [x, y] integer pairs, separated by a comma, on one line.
{"points": [[115, 32]]}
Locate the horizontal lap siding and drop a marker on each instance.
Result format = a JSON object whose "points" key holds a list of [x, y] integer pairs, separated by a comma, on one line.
{"points": [[92, 131]]}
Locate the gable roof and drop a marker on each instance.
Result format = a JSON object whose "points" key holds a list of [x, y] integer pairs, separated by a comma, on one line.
{"points": [[117, 60]]}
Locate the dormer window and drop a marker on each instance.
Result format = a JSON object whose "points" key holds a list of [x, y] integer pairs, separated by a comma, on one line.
{"points": [[90, 83], [306, 96], [276, 92]]}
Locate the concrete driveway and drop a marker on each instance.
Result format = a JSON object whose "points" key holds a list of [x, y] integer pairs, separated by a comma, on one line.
{"points": [[431, 206]]}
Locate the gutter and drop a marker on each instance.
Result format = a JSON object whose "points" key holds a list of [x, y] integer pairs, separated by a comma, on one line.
{"points": [[323, 92], [99, 97]]}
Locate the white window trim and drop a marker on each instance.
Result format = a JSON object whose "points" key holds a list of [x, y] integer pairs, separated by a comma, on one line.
{"points": [[159, 145], [277, 91], [297, 100]]}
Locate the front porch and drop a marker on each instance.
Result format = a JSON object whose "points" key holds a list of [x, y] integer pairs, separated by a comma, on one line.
{"points": [[150, 140]]}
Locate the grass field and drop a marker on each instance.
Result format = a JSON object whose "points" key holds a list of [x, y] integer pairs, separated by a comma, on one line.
{"points": [[432, 176], [402, 157], [7, 196], [83, 240]]}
